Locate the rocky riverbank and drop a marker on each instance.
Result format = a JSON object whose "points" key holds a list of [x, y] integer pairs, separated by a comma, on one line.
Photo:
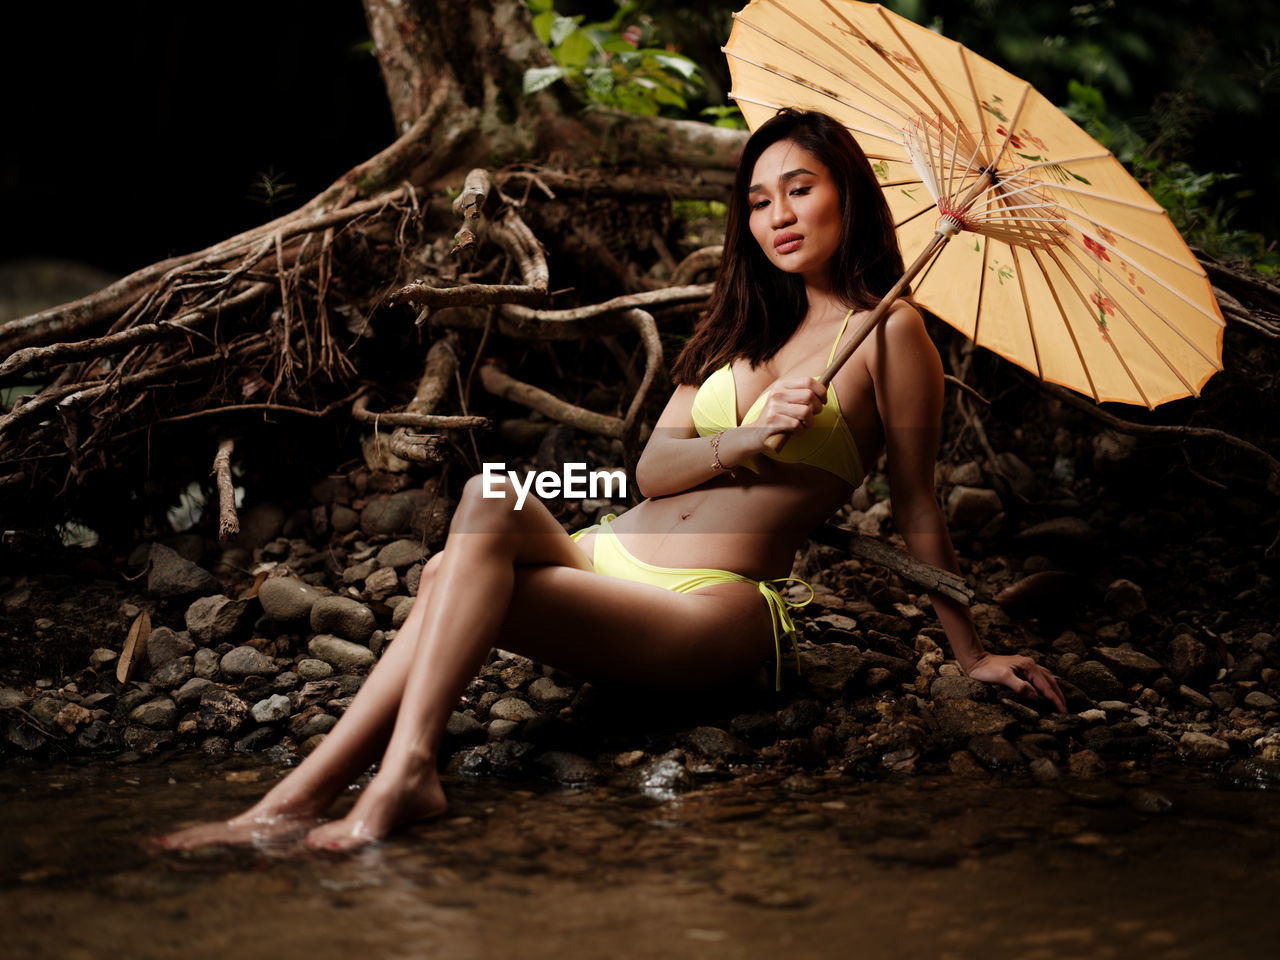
{"points": [[259, 646]]}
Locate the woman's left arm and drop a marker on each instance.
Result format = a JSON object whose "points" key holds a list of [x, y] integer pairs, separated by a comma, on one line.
{"points": [[907, 374]]}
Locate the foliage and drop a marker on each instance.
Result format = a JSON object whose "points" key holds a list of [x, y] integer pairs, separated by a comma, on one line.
{"points": [[1201, 213], [613, 63]]}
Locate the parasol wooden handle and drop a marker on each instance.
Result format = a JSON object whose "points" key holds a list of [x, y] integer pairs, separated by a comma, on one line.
{"points": [[776, 441]]}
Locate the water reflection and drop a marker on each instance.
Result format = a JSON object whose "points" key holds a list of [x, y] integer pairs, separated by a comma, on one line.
{"points": [[1174, 865]]}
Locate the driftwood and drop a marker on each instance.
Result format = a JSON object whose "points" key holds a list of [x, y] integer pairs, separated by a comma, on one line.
{"points": [[228, 522], [925, 575]]}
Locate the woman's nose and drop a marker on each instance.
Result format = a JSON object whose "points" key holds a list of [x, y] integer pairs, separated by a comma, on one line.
{"points": [[782, 214]]}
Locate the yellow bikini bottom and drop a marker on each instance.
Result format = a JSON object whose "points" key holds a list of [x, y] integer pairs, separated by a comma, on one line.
{"points": [[612, 559]]}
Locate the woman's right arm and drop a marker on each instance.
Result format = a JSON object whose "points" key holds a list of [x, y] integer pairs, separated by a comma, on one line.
{"points": [[676, 459]]}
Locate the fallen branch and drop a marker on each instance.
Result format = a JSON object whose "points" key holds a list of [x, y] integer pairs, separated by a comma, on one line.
{"points": [[931, 578], [509, 388], [228, 522]]}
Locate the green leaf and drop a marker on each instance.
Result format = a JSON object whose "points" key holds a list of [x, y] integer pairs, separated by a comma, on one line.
{"points": [[561, 28], [542, 25], [576, 50], [539, 6], [539, 78], [674, 62]]}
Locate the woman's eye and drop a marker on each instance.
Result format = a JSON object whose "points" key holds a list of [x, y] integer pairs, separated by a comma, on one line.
{"points": [[799, 191], [759, 205]]}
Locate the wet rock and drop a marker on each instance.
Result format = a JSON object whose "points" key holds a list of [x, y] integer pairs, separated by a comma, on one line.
{"points": [[964, 764], [216, 619], [1201, 746], [11, 699], [501, 729], [568, 768], [509, 758], [96, 736], [221, 711], [715, 744], [1188, 659], [964, 719], [343, 617], [256, 740], [1086, 765], [512, 708], [1194, 698], [1041, 594], [970, 508], [171, 575], [1125, 598], [1043, 770], [174, 673], [757, 729], [798, 719], [1129, 663], [959, 688], [160, 714], [1148, 801], [247, 661], [1096, 680], [286, 599], [188, 695], [24, 736], [663, 775], [311, 669], [343, 519], [402, 554], [146, 740], [271, 710], [837, 628], [400, 612], [206, 663], [995, 752], [343, 656], [71, 717], [519, 672], [546, 694], [315, 725], [165, 644], [829, 668]]}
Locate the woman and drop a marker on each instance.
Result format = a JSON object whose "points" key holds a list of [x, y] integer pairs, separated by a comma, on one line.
{"points": [[810, 246]]}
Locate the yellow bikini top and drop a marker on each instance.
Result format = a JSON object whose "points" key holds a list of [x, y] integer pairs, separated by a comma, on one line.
{"points": [[827, 443]]}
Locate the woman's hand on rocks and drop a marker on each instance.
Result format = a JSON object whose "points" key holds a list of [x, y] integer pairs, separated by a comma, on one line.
{"points": [[1020, 674]]}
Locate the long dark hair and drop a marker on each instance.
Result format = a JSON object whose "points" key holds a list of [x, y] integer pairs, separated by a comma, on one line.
{"points": [[755, 307]]}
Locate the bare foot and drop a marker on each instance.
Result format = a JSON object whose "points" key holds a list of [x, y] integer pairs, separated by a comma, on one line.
{"points": [[386, 803], [247, 828]]}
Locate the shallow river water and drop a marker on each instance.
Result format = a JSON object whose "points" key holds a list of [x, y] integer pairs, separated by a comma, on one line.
{"points": [[754, 867]]}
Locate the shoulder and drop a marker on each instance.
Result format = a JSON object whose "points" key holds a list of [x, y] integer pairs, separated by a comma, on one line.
{"points": [[901, 343]]}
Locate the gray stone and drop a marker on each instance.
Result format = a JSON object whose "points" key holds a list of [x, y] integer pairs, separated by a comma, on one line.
{"points": [[829, 668], [206, 663], [1201, 746], [216, 619], [995, 752], [310, 669], [188, 695], [962, 688], [274, 708], [164, 645], [1125, 599], [501, 729], [568, 768], [1194, 697], [400, 612], [663, 775], [246, 661], [547, 694], [967, 718], [716, 744], [512, 708], [171, 575], [343, 617], [1259, 700], [160, 714], [344, 519], [173, 674], [287, 598], [1044, 770], [1096, 680], [357, 572], [402, 554], [103, 656], [464, 727], [969, 508], [342, 655], [1129, 664], [388, 515]]}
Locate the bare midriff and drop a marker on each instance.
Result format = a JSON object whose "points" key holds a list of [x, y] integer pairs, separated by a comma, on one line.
{"points": [[747, 524]]}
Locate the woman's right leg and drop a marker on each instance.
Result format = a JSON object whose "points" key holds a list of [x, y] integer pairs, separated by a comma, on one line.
{"points": [[347, 751]]}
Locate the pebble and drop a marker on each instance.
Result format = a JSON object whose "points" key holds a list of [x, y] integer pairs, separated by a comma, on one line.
{"points": [[464, 728], [11, 699], [216, 619], [221, 711], [343, 617], [188, 695], [206, 663], [1096, 680], [173, 674], [312, 669], [160, 714], [1201, 746], [246, 661], [962, 719], [1259, 700], [285, 599], [402, 554], [512, 708], [1044, 770], [716, 744], [169, 574], [103, 656], [1086, 765], [547, 694], [272, 709], [501, 729], [165, 644], [400, 612], [663, 775], [568, 768], [342, 655], [382, 583]]}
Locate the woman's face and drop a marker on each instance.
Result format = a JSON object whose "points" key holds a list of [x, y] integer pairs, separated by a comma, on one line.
{"points": [[795, 212]]}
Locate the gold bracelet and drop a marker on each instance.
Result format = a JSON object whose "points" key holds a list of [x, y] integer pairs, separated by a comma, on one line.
{"points": [[716, 465]]}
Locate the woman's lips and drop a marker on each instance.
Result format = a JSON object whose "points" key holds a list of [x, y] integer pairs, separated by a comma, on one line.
{"points": [[787, 242]]}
